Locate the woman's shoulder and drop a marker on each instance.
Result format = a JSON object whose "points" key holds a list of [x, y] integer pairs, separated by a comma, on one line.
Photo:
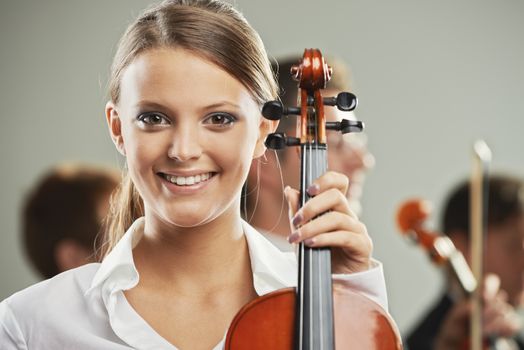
{"points": [[53, 313], [65, 288]]}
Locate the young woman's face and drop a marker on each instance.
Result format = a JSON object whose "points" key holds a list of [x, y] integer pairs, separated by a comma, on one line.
{"points": [[189, 131]]}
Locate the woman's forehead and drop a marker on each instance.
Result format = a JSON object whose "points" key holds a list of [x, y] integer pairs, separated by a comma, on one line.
{"points": [[178, 73]]}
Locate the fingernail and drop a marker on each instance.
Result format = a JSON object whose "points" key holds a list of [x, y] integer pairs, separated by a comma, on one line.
{"points": [[294, 237], [297, 219], [313, 189], [309, 241]]}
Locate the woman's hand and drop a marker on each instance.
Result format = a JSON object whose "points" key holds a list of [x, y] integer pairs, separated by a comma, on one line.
{"points": [[326, 221]]}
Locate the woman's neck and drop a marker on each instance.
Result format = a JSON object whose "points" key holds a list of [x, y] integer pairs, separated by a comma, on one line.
{"points": [[205, 257], [269, 213]]}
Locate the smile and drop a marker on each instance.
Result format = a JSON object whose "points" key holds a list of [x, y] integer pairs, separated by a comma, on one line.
{"points": [[187, 180]]}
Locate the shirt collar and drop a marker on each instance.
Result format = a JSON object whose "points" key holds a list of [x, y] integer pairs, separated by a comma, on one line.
{"points": [[118, 267], [272, 269]]}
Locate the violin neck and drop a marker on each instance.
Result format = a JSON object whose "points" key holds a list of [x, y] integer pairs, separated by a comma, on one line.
{"points": [[315, 296]]}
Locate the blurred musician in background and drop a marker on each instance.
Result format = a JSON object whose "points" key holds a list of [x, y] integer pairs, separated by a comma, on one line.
{"points": [[63, 214], [446, 325], [347, 154]]}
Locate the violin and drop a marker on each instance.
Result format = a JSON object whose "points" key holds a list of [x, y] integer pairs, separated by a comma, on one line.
{"points": [[317, 314]]}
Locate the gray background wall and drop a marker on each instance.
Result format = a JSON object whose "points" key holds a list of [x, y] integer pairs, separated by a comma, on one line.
{"points": [[431, 76]]}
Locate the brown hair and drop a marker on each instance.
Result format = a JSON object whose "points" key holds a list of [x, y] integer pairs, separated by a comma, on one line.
{"points": [[64, 204], [210, 28], [505, 202]]}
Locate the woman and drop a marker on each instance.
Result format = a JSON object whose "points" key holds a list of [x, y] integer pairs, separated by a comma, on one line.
{"points": [[187, 84]]}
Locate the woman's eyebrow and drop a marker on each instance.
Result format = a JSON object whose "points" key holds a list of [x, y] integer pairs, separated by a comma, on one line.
{"points": [[222, 104], [150, 104]]}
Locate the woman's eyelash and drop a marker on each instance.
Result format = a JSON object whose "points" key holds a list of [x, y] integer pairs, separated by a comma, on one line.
{"points": [[220, 119], [152, 118]]}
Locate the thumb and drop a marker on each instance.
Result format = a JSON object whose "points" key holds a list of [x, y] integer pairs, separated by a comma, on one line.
{"points": [[292, 197]]}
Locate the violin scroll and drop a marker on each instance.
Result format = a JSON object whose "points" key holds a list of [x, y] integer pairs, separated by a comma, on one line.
{"points": [[312, 73], [411, 216], [410, 220]]}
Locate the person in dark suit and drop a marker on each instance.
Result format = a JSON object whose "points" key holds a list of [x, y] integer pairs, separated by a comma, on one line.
{"points": [[446, 325]]}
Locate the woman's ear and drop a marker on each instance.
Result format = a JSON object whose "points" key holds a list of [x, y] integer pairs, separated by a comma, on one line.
{"points": [[266, 127], [115, 127]]}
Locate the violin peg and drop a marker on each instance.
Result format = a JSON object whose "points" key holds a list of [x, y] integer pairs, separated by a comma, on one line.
{"points": [[273, 110], [348, 126], [279, 140], [276, 140], [345, 101]]}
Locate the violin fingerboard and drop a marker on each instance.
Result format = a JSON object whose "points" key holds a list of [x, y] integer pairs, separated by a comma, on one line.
{"points": [[315, 295]]}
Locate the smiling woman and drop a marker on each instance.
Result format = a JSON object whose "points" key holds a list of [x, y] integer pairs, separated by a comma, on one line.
{"points": [[187, 84]]}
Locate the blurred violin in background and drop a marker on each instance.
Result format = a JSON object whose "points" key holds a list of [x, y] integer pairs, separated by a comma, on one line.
{"points": [[479, 298]]}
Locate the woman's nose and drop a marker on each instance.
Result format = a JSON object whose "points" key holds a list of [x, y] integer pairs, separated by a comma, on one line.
{"points": [[185, 143]]}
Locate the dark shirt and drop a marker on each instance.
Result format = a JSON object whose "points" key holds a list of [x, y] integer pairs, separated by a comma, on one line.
{"points": [[422, 337]]}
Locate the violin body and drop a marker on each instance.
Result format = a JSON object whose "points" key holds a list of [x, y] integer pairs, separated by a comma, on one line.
{"points": [[274, 316]]}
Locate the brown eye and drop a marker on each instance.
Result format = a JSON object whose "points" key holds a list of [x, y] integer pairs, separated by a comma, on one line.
{"points": [[220, 119], [153, 119]]}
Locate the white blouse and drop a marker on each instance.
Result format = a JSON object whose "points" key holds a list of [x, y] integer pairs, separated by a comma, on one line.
{"points": [[85, 308]]}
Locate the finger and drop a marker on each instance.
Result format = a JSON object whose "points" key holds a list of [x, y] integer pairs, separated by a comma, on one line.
{"points": [[328, 222], [331, 200], [505, 325], [350, 253], [491, 286], [328, 180], [352, 243], [292, 198], [499, 317]]}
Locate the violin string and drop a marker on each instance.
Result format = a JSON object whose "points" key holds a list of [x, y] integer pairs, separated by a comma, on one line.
{"points": [[301, 255], [319, 114], [310, 252]]}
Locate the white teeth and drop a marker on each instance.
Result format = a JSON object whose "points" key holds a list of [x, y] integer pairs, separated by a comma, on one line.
{"points": [[187, 180]]}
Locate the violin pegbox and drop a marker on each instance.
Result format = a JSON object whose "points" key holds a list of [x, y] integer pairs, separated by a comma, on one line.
{"points": [[312, 73]]}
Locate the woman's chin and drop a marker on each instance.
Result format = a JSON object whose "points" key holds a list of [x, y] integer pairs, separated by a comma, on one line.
{"points": [[189, 221]]}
